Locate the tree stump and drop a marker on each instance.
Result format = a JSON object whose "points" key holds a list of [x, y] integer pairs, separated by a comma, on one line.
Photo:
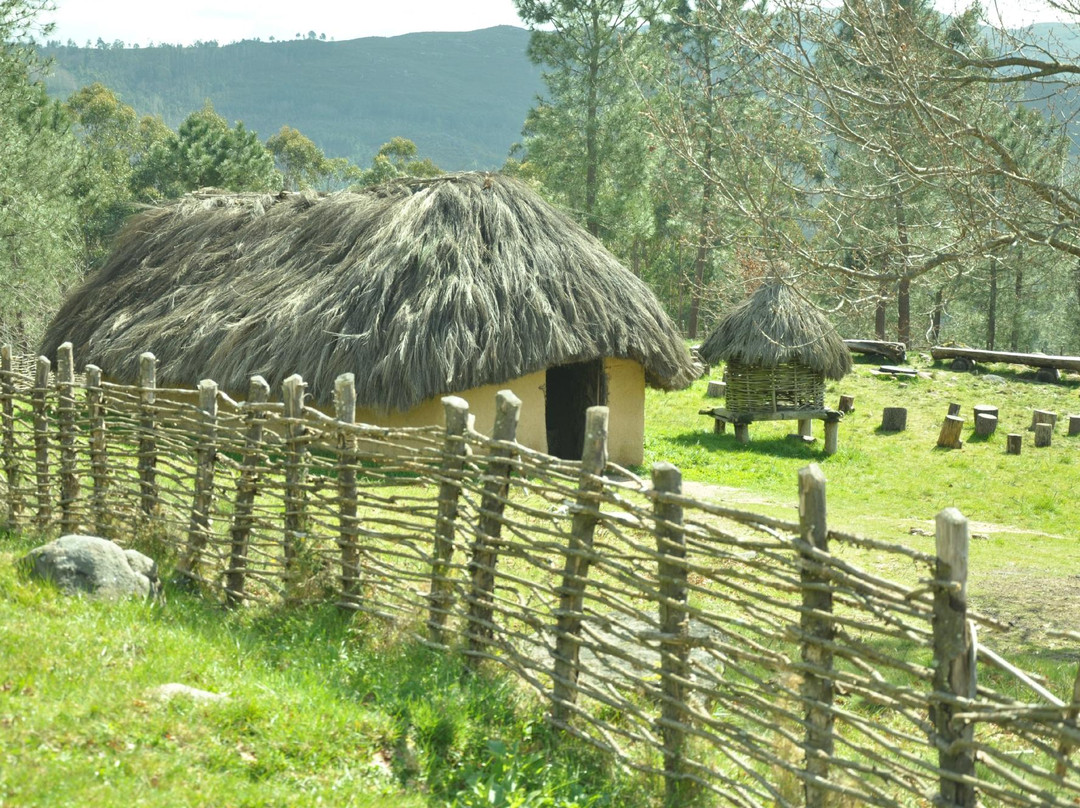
{"points": [[894, 419], [1013, 443], [1049, 375], [715, 390], [847, 404], [985, 424], [1074, 425], [1043, 417], [949, 437], [1044, 433], [954, 409], [988, 409]]}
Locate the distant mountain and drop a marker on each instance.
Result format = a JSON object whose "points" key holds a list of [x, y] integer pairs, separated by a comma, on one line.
{"points": [[461, 97]]}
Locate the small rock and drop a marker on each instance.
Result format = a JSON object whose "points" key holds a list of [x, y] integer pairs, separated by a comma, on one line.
{"points": [[93, 565], [171, 690]]}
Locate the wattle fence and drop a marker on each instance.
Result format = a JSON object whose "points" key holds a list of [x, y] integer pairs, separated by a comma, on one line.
{"points": [[744, 660]]}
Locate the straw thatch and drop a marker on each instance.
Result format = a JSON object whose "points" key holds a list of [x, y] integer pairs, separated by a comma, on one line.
{"points": [[776, 327], [419, 287]]}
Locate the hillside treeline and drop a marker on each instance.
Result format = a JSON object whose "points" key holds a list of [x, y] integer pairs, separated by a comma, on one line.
{"points": [[910, 173]]}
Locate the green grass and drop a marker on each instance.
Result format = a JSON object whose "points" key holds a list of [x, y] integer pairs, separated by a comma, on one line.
{"points": [[1025, 557], [323, 709]]}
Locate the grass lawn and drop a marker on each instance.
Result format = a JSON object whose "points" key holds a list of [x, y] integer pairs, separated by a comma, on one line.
{"points": [[1025, 552]]}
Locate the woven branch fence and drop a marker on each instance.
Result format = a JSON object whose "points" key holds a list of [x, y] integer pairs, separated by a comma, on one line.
{"points": [[743, 660]]}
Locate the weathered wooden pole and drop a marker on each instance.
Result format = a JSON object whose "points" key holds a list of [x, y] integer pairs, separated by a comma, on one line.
{"points": [[348, 524], [455, 450], [817, 630], [674, 628], [203, 497], [954, 661], [246, 488], [11, 458], [576, 567], [99, 458], [480, 621], [148, 488], [41, 442], [295, 536], [65, 421]]}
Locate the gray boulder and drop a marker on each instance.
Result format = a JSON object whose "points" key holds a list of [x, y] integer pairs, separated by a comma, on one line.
{"points": [[93, 565]]}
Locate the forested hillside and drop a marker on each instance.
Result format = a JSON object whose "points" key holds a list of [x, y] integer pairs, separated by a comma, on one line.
{"points": [[461, 97]]}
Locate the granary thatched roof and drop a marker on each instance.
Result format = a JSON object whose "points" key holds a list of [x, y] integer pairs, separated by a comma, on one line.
{"points": [[419, 287], [776, 326]]}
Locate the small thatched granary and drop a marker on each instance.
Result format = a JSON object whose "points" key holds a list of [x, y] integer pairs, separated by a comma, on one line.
{"points": [[462, 284], [779, 350]]}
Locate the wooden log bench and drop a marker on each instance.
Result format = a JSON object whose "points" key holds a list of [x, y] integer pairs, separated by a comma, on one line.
{"points": [[965, 359], [893, 351], [742, 420]]}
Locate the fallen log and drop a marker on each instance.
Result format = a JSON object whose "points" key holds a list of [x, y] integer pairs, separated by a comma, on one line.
{"points": [[890, 350], [1031, 360]]}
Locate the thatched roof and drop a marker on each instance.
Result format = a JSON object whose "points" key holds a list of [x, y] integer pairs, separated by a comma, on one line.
{"points": [[419, 287], [776, 326]]}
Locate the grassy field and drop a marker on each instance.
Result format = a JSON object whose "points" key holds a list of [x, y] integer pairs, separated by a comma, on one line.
{"points": [[1025, 553], [325, 709]]}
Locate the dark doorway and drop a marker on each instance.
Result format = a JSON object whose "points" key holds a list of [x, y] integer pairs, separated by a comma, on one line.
{"points": [[569, 391]]}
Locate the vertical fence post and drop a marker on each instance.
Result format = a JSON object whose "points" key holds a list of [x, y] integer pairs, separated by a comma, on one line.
{"points": [[202, 500], [148, 488], [295, 501], [954, 660], [674, 628], [484, 551], [99, 460], [11, 461], [817, 630], [246, 488], [65, 420], [455, 450], [576, 568], [41, 442], [349, 525]]}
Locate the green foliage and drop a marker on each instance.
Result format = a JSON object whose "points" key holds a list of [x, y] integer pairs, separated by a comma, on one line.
{"points": [[208, 153], [303, 164], [39, 247], [397, 158]]}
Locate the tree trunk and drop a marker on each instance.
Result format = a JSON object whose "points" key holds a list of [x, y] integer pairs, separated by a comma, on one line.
{"points": [[903, 312], [1018, 301], [936, 315], [991, 306], [592, 112]]}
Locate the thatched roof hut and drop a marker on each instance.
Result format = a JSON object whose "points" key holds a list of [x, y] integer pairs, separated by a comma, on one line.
{"points": [[419, 287], [779, 350]]}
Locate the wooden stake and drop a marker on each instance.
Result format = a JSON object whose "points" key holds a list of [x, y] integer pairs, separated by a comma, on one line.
{"points": [[11, 461], [348, 524], [246, 488], [576, 566], [295, 538], [99, 458], [65, 421], [817, 629], [203, 497], [455, 450], [148, 489], [41, 442], [485, 554], [674, 629], [954, 660]]}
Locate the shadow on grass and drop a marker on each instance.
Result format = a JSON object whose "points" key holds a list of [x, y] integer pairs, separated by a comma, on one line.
{"points": [[787, 446], [1010, 373]]}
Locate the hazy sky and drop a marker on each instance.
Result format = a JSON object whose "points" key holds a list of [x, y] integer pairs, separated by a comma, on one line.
{"points": [[229, 20]]}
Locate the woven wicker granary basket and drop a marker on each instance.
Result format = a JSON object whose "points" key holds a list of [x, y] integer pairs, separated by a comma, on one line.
{"points": [[789, 386]]}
